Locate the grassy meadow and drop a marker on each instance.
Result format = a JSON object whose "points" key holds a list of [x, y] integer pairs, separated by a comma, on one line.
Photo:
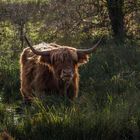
{"points": [[108, 106]]}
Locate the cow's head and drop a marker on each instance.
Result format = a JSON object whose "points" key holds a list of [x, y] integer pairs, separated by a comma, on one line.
{"points": [[64, 60]]}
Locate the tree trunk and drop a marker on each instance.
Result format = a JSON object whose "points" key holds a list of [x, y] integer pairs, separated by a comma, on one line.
{"points": [[21, 30], [115, 10]]}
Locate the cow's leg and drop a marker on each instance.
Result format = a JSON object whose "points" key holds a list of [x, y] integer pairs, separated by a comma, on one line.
{"points": [[72, 92], [27, 96]]}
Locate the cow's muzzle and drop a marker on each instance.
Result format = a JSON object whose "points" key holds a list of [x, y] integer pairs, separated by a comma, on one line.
{"points": [[66, 76]]}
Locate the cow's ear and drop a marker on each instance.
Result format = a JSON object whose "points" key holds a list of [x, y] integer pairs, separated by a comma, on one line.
{"points": [[45, 59], [82, 58]]}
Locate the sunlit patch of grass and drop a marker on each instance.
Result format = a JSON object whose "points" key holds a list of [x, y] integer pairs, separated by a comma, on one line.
{"points": [[82, 119]]}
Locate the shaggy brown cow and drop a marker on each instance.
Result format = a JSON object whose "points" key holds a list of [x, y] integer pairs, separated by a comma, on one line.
{"points": [[51, 68]]}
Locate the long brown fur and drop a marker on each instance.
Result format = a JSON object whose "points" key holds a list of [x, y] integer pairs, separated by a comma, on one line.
{"points": [[39, 75]]}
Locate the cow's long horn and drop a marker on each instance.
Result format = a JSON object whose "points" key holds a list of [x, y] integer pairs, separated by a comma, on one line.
{"points": [[34, 50], [90, 50]]}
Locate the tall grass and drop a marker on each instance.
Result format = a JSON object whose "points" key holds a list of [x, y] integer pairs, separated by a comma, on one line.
{"points": [[115, 121], [9, 80], [107, 107]]}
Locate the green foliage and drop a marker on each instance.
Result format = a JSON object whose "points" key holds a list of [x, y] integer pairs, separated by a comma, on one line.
{"points": [[108, 104], [113, 70], [107, 108], [114, 121]]}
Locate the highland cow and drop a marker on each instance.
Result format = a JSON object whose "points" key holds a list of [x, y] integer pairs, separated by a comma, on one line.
{"points": [[51, 68]]}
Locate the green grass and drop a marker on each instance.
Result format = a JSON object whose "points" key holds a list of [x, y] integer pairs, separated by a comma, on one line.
{"points": [[107, 107], [78, 120]]}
